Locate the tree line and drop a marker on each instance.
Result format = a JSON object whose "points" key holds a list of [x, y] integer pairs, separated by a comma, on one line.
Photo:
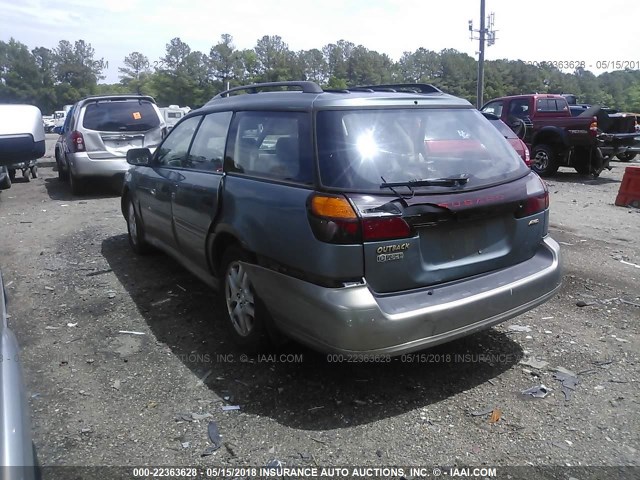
{"points": [[50, 78]]}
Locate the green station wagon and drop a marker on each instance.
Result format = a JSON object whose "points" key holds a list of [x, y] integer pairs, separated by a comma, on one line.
{"points": [[371, 220]]}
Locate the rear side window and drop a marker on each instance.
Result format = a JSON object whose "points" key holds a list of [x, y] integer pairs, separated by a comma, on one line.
{"points": [[360, 149], [120, 116], [272, 145], [552, 105]]}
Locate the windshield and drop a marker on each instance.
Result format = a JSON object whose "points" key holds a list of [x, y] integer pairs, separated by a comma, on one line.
{"points": [[360, 149], [121, 116]]}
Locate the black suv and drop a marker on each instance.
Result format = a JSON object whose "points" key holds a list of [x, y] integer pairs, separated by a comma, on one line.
{"points": [[371, 220]]}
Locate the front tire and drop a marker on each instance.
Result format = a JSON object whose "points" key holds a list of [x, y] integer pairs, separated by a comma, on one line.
{"points": [[136, 233], [246, 317], [543, 160]]}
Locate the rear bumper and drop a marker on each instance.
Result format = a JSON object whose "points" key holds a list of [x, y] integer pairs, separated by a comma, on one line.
{"points": [[356, 320], [612, 144], [83, 166]]}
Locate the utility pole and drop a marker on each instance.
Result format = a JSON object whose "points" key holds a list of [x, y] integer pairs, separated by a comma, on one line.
{"points": [[487, 35]]}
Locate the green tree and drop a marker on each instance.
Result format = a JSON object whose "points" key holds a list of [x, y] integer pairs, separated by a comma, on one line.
{"points": [[135, 73]]}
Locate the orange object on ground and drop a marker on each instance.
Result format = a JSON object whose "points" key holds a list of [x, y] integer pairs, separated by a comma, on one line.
{"points": [[629, 192]]}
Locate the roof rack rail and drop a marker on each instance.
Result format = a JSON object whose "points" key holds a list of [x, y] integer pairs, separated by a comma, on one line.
{"points": [[399, 87], [306, 86]]}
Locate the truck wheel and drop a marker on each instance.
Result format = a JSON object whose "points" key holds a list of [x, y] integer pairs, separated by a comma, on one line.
{"points": [[543, 160], [246, 317], [12, 174], [626, 156]]}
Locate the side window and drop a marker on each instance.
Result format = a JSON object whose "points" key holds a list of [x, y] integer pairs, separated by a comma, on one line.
{"points": [[173, 151], [545, 105], [272, 145], [519, 107], [207, 151], [494, 108], [561, 105]]}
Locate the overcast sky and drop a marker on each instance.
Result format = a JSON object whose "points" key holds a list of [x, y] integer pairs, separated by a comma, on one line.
{"points": [[535, 31]]}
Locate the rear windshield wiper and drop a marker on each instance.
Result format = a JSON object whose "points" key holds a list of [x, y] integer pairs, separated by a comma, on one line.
{"points": [[455, 181]]}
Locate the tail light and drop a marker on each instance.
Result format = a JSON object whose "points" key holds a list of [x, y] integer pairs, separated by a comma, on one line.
{"points": [[334, 220], [527, 155], [537, 200], [593, 128], [77, 142], [385, 228]]}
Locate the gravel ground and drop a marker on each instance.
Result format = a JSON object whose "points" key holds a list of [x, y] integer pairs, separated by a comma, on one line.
{"points": [[102, 397]]}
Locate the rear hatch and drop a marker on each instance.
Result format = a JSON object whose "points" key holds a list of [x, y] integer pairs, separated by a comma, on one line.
{"points": [[112, 127], [441, 195]]}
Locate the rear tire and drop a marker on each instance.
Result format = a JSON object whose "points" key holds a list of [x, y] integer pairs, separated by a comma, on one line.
{"points": [[34, 171], [63, 175], [543, 160], [626, 156], [246, 317], [12, 174], [76, 187], [25, 175]]}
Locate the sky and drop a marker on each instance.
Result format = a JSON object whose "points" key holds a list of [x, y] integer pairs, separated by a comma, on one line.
{"points": [[545, 30]]}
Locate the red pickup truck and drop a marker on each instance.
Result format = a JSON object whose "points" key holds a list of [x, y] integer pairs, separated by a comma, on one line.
{"points": [[556, 138]]}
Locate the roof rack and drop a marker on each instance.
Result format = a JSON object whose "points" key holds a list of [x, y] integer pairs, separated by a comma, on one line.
{"points": [[398, 87], [306, 86]]}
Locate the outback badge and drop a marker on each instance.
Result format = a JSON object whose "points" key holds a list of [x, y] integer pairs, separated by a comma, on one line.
{"points": [[389, 253]]}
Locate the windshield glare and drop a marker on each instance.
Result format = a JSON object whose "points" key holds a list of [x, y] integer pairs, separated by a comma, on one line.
{"points": [[357, 149]]}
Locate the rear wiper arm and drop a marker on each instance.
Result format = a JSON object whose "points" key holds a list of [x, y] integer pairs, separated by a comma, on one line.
{"points": [[456, 181]]}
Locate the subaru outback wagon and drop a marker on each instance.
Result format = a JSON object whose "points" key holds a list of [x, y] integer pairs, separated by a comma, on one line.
{"points": [[371, 220], [97, 133]]}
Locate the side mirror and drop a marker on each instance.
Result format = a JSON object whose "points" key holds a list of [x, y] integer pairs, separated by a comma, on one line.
{"points": [[139, 156]]}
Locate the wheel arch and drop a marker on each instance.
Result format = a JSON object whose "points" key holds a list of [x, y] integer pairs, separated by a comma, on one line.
{"points": [[220, 239]]}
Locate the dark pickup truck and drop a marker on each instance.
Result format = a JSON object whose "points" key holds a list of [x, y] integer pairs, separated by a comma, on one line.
{"points": [[557, 139]]}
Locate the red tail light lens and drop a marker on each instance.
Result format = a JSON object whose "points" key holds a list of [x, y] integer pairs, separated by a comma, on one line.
{"points": [[527, 156], [385, 228], [77, 142], [537, 200]]}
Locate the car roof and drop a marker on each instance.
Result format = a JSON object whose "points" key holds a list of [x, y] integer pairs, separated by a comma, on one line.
{"points": [[311, 97]]}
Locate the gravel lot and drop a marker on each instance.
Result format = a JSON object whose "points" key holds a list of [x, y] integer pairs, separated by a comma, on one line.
{"points": [[102, 397]]}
